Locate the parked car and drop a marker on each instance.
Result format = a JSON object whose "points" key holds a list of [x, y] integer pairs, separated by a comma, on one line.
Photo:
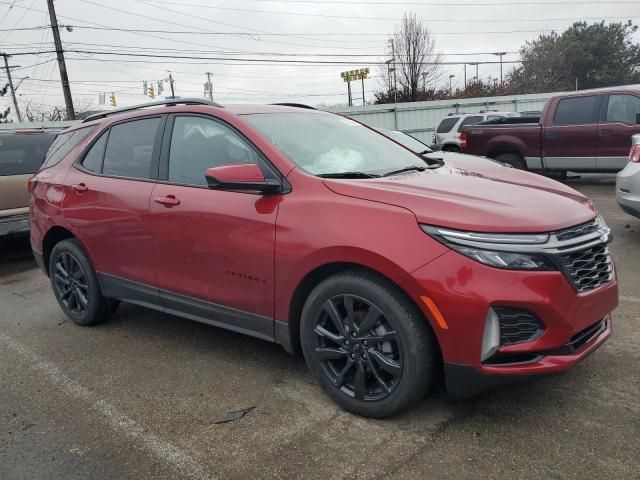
{"points": [[585, 131], [450, 159], [311, 230], [628, 181], [447, 134], [22, 151]]}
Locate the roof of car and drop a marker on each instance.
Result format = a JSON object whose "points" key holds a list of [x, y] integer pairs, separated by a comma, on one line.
{"points": [[248, 109]]}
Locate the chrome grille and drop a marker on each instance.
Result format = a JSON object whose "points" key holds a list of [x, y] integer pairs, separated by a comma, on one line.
{"points": [[588, 268], [577, 231]]}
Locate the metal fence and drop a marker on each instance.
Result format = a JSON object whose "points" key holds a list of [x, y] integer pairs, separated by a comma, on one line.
{"points": [[421, 118]]}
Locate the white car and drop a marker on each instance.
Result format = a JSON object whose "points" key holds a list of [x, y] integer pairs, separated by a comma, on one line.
{"points": [[628, 181], [447, 134]]}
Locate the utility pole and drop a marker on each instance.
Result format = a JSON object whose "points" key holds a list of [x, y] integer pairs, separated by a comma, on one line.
{"points": [[68, 101], [395, 78], [500, 54], [13, 92], [173, 93], [450, 78], [465, 76], [209, 86]]}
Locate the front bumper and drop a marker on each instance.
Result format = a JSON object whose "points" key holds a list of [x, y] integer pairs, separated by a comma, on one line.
{"points": [[464, 290], [628, 189], [464, 381], [14, 225]]}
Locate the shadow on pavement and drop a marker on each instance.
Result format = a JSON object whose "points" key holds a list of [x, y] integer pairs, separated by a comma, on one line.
{"points": [[15, 255]]}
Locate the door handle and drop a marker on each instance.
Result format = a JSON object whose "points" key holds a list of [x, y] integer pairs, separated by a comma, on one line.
{"points": [[80, 187], [605, 131], [551, 134], [167, 201]]}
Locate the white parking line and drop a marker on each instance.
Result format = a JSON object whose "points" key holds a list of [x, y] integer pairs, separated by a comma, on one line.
{"points": [[119, 422], [626, 298]]}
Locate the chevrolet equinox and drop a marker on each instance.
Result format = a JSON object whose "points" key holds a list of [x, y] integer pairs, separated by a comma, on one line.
{"points": [[311, 230]]}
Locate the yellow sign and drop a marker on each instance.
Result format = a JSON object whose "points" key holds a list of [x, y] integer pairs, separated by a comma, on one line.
{"points": [[351, 75]]}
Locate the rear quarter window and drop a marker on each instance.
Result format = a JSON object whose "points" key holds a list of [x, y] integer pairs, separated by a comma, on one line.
{"points": [[63, 144], [22, 154], [447, 124]]}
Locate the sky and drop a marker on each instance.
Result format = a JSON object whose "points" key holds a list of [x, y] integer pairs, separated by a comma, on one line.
{"points": [[260, 51]]}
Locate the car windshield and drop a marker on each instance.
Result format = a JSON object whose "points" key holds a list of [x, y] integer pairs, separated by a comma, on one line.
{"points": [[327, 144], [407, 141]]}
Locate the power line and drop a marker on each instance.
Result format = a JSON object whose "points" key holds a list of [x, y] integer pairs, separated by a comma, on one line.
{"points": [[359, 17], [237, 59]]}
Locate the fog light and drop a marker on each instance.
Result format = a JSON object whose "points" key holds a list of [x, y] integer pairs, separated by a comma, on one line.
{"points": [[491, 335]]}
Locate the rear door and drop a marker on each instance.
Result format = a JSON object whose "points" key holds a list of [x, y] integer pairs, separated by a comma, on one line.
{"points": [[619, 120], [107, 204], [570, 137]]}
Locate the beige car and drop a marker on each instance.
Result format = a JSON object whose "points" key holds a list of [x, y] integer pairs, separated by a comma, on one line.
{"points": [[21, 154]]}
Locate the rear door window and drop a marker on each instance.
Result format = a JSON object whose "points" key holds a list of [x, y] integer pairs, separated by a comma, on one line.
{"points": [[470, 120], [22, 154], [129, 150], [623, 108], [576, 111], [447, 124], [63, 144]]}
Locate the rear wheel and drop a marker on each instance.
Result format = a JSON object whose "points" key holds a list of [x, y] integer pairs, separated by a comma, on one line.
{"points": [[367, 344], [76, 287], [512, 159]]}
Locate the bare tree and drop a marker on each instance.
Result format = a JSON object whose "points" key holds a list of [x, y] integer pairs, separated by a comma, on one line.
{"points": [[412, 49]]}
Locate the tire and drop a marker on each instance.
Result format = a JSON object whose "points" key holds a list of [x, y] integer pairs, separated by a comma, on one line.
{"points": [[352, 370], [76, 287], [512, 159], [451, 148]]}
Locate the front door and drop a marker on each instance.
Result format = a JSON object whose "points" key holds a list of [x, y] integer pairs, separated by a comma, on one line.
{"points": [[620, 120], [569, 139], [214, 248]]}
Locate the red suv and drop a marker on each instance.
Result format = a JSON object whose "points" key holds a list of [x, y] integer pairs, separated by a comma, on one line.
{"points": [[311, 230]]}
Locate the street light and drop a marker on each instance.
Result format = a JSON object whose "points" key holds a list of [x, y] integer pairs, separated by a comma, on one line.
{"points": [[20, 83], [450, 77], [500, 54]]}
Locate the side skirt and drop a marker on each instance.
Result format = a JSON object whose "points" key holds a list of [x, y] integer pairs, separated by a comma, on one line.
{"points": [[186, 307]]}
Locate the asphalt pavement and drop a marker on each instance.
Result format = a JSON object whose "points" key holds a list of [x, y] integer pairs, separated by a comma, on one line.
{"points": [[138, 397]]}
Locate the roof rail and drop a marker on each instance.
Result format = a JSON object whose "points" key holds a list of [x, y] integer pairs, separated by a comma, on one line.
{"points": [[295, 105], [158, 103]]}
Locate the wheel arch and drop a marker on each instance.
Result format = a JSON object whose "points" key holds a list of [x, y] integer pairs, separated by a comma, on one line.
{"points": [[54, 235], [289, 335]]}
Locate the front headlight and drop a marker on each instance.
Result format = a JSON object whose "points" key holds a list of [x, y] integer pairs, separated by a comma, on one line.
{"points": [[486, 248]]}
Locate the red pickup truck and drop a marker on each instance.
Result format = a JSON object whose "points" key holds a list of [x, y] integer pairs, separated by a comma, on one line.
{"points": [[586, 131]]}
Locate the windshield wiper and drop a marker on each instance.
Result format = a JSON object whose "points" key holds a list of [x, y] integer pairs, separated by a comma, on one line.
{"points": [[348, 175], [412, 168]]}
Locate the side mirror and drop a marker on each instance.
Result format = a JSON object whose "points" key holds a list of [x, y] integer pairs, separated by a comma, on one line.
{"points": [[242, 177]]}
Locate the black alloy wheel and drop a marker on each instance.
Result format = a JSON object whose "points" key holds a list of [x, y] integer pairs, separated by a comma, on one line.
{"points": [[71, 284], [367, 344], [359, 349], [76, 286]]}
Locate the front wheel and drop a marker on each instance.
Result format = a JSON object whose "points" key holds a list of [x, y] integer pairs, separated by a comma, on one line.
{"points": [[75, 285], [367, 345]]}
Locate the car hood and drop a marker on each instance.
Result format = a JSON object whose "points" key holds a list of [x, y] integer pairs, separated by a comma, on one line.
{"points": [[484, 197]]}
